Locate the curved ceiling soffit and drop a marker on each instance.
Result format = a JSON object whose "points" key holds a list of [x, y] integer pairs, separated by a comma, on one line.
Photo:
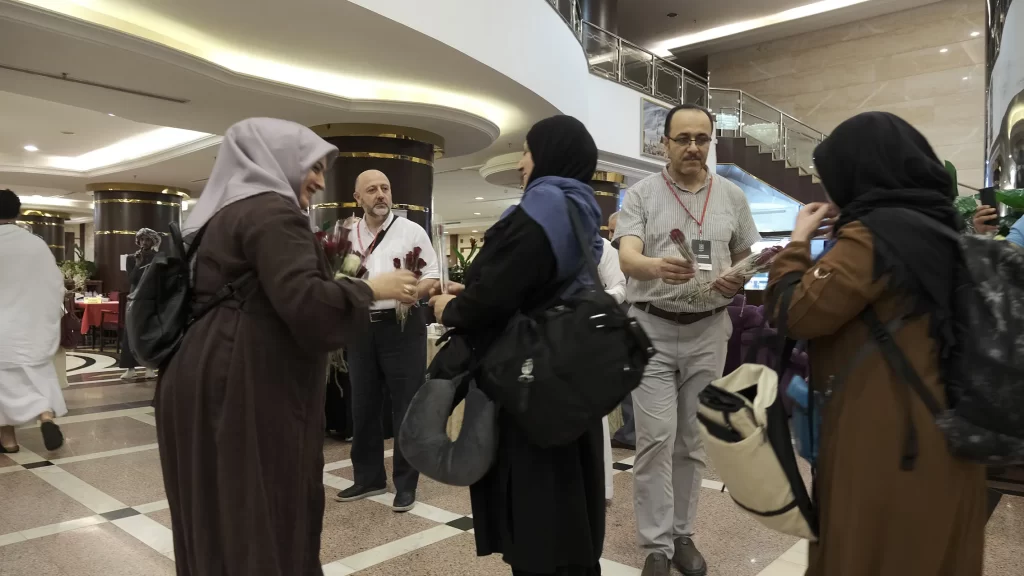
{"points": [[485, 131]]}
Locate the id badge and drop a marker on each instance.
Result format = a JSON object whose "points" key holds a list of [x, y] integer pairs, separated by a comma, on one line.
{"points": [[702, 250]]}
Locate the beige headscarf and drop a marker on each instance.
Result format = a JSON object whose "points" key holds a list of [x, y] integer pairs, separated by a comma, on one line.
{"points": [[259, 155]]}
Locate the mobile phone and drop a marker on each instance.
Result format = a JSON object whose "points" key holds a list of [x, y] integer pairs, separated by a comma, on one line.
{"points": [[988, 197]]}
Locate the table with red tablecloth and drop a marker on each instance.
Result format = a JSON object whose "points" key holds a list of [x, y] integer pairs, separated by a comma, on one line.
{"points": [[92, 314]]}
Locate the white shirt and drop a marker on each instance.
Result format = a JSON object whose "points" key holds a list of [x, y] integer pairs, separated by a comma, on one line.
{"points": [[612, 278], [402, 237], [32, 292]]}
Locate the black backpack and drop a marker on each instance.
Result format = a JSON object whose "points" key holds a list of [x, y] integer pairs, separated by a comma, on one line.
{"points": [[562, 369], [985, 419], [161, 307]]}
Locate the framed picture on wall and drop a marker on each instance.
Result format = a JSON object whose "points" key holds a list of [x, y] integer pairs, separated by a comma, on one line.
{"points": [[652, 126]]}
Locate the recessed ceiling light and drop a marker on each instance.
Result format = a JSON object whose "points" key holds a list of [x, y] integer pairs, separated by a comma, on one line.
{"points": [[966, 77], [975, 34], [479, 197], [476, 213], [944, 50], [111, 114], [67, 132], [475, 231], [31, 148], [671, 14]]}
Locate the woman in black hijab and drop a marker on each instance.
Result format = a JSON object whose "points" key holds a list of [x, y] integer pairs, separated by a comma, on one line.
{"points": [[541, 508], [892, 499]]}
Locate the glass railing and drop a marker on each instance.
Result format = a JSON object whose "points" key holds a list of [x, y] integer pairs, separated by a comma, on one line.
{"points": [[741, 115], [619, 60]]}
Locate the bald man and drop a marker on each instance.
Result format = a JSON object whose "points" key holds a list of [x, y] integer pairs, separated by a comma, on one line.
{"points": [[386, 354]]}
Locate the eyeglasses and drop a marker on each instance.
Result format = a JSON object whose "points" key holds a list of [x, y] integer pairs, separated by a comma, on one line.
{"points": [[701, 140]]}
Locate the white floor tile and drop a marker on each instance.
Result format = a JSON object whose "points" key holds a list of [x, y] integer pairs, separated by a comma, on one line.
{"points": [[25, 456], [336, 482], [94, 456], [12, 538], [332, 466], [170, 555], [798, 553], [337, 569], [713, 485], [85, 494], [783, 568], [149, 531], [62, 527], [102, 415], [629, 460], [422, 510], [609, 568], [152, 507], [9, 469], [399, 547], [145, 418]]}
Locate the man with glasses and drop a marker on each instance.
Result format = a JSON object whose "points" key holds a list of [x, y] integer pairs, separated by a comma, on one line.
{"points": [[690, 331]]}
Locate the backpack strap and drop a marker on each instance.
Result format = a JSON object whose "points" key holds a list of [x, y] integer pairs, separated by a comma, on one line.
{"points": [[229, 290], [898, 362]]}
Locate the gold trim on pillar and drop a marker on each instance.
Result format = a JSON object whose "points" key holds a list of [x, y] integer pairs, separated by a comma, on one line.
{"points": [[608, 194], [412, 207], [135, 201], [45, 214], [37, 223], [385, 156], [125, 232], [382, 131], [613, 177], [61, 246], [327, 205], [126, 187]]}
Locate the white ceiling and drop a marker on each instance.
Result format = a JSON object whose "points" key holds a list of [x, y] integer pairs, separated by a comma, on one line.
{"points": [[645, 22]]}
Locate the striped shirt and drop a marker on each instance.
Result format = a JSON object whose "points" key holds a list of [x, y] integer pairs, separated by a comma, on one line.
{"points": [[651, 211]]}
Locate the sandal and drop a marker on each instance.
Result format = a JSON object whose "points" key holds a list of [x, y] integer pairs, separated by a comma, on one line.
{"points": [[7, 450], [53, 438]]}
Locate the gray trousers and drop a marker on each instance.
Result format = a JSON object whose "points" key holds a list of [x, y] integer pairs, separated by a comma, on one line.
{"points": [[670, 459]]}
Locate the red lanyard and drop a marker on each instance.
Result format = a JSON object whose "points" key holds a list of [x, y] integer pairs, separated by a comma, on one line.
{"points": [[359, 236], [700, 223]]}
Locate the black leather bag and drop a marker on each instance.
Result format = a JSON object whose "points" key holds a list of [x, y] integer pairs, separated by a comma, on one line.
{"points": [[560, 370]]}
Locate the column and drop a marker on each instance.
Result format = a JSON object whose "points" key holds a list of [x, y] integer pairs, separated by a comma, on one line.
{"points": [[603, 13], [606, 187], [119, 211], [49, 226], [405, 155]]}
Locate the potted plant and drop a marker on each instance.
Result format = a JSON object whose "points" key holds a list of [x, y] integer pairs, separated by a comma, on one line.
{"points": [[77, 272], [458, 273]]}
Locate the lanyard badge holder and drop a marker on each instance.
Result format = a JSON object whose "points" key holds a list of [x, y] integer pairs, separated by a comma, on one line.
{"points": [[701, 248]]}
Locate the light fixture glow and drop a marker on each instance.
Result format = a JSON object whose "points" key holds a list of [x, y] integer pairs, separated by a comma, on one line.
{"points": [[475, 231], [479, 198], [975, 34], [476, 213], [131, 148], [966, 77], [112, 115], [664, 48], [31, 148], [944, 50]]}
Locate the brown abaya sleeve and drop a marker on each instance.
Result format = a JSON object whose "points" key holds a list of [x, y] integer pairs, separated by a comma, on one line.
{"points": [[831, 291], [318, 310]]}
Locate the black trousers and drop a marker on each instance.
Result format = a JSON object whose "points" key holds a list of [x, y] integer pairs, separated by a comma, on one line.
{"points": [[385, 357]]}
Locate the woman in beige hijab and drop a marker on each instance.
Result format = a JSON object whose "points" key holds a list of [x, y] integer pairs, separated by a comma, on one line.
{"points": [[239, 408]]}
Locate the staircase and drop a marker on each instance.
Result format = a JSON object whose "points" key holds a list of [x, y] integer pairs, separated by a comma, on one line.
{"points": [[779, 174]]}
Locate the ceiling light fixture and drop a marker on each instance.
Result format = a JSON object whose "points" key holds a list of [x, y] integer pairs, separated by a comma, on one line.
{"points": [[137, 146], [31, 148], [943, 51], [975, 34], [966, 78], [67, 132], [665, 48], [476, 213], [475, 231], [112, 115], [671, 14], [479, 197]]}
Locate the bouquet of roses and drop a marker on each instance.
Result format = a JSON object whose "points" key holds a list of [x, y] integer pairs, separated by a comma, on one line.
{"points": [[341, 255], [414, 264], [745, 269]]}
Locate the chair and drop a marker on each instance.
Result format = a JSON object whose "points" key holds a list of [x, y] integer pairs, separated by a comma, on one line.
{"points": [[114, 296], [113, 322]]}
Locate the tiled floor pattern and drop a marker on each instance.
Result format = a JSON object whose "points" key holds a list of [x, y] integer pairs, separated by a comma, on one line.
{"points": [[97, 507]]}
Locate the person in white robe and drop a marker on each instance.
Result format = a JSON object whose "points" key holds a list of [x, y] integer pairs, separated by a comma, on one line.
{"points": [[614, 282], [32, 293]]}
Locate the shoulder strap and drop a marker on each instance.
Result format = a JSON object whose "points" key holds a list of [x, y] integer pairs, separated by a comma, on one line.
{"points": [[898, 360], [380, 237], [577, 229]]}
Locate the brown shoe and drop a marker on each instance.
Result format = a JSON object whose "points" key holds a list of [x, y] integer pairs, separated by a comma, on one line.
{"points": [[688, 559], [656, 565]]}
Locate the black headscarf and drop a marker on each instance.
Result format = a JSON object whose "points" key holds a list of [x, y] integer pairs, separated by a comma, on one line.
{"points": [[562, 146], [876, 167]]}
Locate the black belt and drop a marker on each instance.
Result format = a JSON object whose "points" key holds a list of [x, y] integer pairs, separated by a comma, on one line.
{"points": [[677, 317], [382, 315]]}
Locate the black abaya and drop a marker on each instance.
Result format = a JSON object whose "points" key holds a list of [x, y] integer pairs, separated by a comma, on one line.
{"points": [[542, 508]]}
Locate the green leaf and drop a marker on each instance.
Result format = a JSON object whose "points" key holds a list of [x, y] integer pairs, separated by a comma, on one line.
{"points": [[965, 205], [1012, 198], [326, 226]]}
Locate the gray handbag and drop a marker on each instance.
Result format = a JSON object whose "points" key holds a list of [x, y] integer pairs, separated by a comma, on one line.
{"points": [[425, 443]]}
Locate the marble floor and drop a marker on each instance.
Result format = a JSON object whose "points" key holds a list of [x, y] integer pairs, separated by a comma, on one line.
{"points": [[97, 507]]}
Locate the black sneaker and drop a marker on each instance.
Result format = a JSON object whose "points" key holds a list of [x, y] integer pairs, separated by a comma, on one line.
{"points": [[358, 492], [688, 559], [656, 565], [404, 501]]}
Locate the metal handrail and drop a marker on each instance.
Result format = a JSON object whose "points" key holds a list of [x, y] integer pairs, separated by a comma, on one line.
{"points": [[620, 74]]}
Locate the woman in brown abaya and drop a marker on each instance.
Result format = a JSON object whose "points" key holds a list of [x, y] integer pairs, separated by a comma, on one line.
{"points": [[239, 408], [892, 499]]}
